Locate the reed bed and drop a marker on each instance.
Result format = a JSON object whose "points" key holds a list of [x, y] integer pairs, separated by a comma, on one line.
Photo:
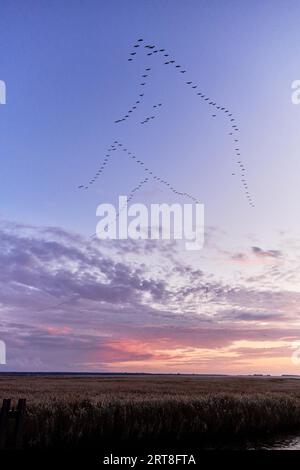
{"points": [[162, 411]]}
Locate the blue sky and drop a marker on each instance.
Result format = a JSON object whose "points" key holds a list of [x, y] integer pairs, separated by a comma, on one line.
{"points": [[68, 79]]}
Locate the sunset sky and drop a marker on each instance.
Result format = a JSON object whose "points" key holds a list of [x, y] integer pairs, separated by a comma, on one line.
{"points": [[70, 302]]}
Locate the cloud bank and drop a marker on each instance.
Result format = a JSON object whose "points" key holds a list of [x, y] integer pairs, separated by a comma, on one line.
{"points": [[74, 304]]}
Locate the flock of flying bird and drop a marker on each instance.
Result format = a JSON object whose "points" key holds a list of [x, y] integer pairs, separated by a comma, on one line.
{"points": [[150, 50], [118, 146]]}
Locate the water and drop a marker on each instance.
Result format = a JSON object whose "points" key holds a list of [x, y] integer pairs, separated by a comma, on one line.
{"points": [[281, 442], [291, 443]]}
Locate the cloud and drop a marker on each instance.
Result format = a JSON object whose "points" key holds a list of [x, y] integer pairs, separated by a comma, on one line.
{"points": [[255, 256], [250, 315], [68, 267], [71, 303], [266, 253]]}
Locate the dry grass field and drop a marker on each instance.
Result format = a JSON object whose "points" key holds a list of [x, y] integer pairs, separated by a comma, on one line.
{"points": [[88, 411], [38, 389]]}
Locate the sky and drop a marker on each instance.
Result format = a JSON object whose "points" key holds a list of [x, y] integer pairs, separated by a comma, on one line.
{"points": [[70, 302]]}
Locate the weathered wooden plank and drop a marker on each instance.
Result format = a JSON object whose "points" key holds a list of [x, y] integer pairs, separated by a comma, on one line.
{"points": [[4, 415]]}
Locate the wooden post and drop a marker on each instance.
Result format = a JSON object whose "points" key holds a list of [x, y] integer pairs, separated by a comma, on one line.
{"points": [[3, 421], [20, 418]]}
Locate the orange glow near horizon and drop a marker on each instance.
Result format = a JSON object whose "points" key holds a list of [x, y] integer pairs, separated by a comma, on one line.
{"points": [[240, 357]]}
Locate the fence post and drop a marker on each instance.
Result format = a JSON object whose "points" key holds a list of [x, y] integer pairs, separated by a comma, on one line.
{"points": [[20, 417], [4, 420]]}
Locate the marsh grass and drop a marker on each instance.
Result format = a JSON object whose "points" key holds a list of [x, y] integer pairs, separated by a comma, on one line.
{"points": [[198, 419], [153, 411]]}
